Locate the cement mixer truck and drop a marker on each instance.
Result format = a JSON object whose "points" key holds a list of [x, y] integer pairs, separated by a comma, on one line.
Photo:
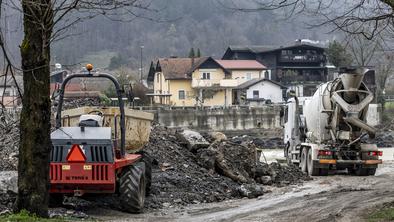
{"points": [[326, 131]]}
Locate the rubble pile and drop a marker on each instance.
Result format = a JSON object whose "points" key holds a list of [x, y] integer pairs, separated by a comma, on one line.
{"points": [[177, 178], [221, 171], [9, 141], [260, 142], [75, 103]]}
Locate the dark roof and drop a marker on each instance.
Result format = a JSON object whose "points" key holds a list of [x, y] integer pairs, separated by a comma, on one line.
{"points": [[266, 48], [252, 82]]}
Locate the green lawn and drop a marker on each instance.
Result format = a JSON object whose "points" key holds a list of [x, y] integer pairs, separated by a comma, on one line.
{"points": [[389, 105], [385, 213], [24, 216]]}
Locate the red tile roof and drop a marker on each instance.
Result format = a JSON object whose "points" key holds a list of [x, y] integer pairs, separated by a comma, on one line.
{"points": [[241, 64]]}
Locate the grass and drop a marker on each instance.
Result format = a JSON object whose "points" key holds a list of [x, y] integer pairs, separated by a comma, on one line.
{"points": [[389, 105], [383, 214], [25, 216]]}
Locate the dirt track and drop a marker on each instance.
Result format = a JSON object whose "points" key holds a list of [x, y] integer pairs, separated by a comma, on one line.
{"points": [[332, 198]]}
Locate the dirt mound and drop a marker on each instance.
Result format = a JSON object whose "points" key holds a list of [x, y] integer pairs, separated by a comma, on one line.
{"points": [[178, 179], [259, 142], [222, 171]]}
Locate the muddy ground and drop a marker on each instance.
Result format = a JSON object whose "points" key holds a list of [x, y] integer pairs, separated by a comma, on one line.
{"points": [[337, 197]]}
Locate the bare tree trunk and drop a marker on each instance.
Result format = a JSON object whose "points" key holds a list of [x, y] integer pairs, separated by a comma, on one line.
{"points": [[35, 143]]}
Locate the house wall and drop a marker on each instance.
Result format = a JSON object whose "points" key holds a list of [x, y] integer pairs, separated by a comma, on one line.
{"points": [[216, 74], [267, 90], [160, 86], [242, 74], [176, 86], [222, 97]]}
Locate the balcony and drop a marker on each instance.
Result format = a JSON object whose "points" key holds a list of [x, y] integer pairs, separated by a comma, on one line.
{"points": [[296, 58], [229, 82], [215, 83]]}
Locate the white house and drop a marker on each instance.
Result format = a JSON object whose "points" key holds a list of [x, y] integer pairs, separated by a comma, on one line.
{"points": [[259, 91]]}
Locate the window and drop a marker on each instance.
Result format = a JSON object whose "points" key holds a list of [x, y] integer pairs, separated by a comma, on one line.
{"points": [[266, 75], [256, 94], [158, 77], [181, 94], [7, 93], [206, 75], [248, 76]]}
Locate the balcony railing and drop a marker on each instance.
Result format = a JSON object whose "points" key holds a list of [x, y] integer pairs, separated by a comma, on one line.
{"points": [[301, 58], [215, 83]]}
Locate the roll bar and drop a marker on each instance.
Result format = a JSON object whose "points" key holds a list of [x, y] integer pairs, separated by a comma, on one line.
{"points": [[119, 92]]}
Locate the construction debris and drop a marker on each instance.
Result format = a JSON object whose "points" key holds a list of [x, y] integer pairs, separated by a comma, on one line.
{"points": [[192, 139], [224, 170]]}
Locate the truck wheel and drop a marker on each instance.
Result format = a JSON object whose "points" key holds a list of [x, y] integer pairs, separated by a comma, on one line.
{"points": [[312, 170], [303, 160], [55, 200], [371, 171], [132, 188], [148, 171], [361, 171]]}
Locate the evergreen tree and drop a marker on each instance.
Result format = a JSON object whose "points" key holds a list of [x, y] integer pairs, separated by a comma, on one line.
{"points": [[191, 53], [198, 53]]}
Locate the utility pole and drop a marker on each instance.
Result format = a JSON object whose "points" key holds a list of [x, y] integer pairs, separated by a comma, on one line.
{"points": [[141, 47]]}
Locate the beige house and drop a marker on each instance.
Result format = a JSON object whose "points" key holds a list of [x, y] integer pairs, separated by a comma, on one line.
{"points": [[199, 81]]}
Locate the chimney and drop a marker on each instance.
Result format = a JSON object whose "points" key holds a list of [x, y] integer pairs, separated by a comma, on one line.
{"points": [[192, 61]]}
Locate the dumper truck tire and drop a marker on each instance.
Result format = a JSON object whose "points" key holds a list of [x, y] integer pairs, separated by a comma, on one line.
{"points": [[147, 159], [303, 160], [55, 200], [132, 187], [312, 169]]}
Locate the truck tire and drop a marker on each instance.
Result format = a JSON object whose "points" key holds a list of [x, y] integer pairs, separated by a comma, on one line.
{"points": [[132, 187], [312, 169], [303, 160], [148, 171], [365, 171], [55, 200], [371, 171]]}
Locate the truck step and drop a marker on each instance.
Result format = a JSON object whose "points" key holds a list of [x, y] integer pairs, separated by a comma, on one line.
{"points": [[295, 161], [295, 152]]}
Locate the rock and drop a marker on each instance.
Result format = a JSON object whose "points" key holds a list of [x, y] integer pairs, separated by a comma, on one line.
{"points": [[192, 139], [9, 181], [218, 136], [251, 190], [266, 180]]}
